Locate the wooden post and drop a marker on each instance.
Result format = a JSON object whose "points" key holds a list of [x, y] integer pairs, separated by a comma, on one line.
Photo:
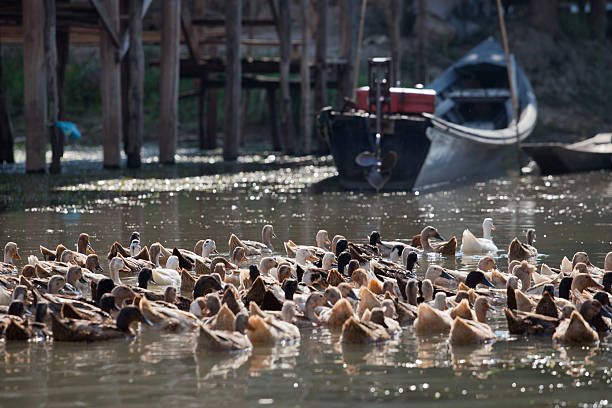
{"points": [[244, 109], [347, 50], [136, 85], [51, 60], [321, 56], [6, 131], [34, 95], [233, 79], [212, 99], [358, 49], [271, 97], [62, 38], [394, 19], [287, 128], [110, 90], [305, 84], [170, 64], [421, 57]]}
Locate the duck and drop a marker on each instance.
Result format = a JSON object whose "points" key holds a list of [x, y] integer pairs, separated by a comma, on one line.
{"points": [[205, 248], [167, 318], [472, 245], [225, 340], [522, 323], [66, 329], [268, 330], [467, 332], [11, 254], [446, 248], [168, 276], [115, 266], [319, 249], [431, 321], [608, 262], [596, 315], [575, 331], [387, 247], [254, 247], [360, 332], [80, 256], [522, 251], [49, 255]]}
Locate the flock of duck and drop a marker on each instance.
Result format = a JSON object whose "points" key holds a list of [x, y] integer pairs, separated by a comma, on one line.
{"points": [[367, 290]]}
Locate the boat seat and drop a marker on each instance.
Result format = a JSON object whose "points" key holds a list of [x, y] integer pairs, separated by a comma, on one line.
{"points": [[487, 95]]}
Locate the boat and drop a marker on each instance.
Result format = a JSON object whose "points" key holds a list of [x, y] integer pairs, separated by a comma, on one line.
{"points": [[591, 154], [466, 136]]}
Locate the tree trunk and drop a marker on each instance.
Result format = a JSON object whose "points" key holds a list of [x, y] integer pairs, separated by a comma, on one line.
{"points": [[543, 15]]}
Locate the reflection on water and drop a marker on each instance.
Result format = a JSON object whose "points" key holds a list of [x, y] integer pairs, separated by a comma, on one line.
{"points": [[569, 213]]}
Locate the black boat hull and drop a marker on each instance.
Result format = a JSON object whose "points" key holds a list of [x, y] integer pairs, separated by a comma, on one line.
{"points": [[558, 159], [349, 134]]}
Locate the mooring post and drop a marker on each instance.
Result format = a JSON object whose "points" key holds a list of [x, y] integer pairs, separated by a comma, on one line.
{"points": [[62, 39], [6, 131], [305, 83], [110, 90], [273, 119], [321, 63], [347, 50], [210, 141], [284, 29], [169, 87], [34, 86], [136, 85], [57, 145], [233, 79]]}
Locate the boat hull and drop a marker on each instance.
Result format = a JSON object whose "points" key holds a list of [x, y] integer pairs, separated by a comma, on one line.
{"points": [[556, 158], [349, 134]]}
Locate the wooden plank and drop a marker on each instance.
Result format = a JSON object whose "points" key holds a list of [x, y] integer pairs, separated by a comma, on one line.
{"points": [[306, 93], [233, 72], [347, 49], [6, 130], [57, 145], [169, 86], [110, 91], [287, 128], [34, 95], [136, 85], [246, 22], [188, 31], [104, 14]]}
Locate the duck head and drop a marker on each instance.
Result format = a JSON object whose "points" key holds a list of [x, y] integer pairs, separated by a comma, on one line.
{"points": [[581, 257], [93, 264], [144, 277], [173, 263], [608, 262], [108, 303], [83, 245], [427, 290], [352, 266], [584, 280], [436, 271], [74, 275], [487, 263], [238, 256], [430, 232], [580, 267], [303, 255], [135, 247], [28, 271], [267, 233], [123, 294], [341, 246], [266, 264], [487, 227], [565, 286], [523, 272], [289, 287], [332, 294], [591, 309], [322, 239], [115, 266], [481, 307], [347, 291], [374, 238], [328, 260], [42, 310], [288, 311], [335, 242], [343, 260], [550, 289], [105, 285], [440, 301], [531, 236], [20, 293], [56, 283], [412, 292], [212, 304], [208, 247], [284, 272], [477, 277], [11, 253], [128, 316], [16, 308], [411, 259], [206, 284]]}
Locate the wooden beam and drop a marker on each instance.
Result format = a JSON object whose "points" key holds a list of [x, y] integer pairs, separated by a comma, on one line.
{"points": [[188, 31], [233, 72], [287, 128], [321, 64], [125, 38], [275, 18], [210, 139], [247, 22], [169, 86], [394, 16], [306, 94], [421, 56], [136, 85], [34, 95], [110, 91], [56, 136], [6, 130], [103, 12], [62, 37]]}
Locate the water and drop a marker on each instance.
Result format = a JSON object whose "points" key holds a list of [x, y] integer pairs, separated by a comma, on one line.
{"points": [[189, 202]]}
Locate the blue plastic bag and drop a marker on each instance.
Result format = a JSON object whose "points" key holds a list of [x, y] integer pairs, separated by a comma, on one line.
{"points": [[69, 129]]}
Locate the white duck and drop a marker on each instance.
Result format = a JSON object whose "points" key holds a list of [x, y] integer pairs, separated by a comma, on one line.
{"points": [[472, 245], [168, 276]]}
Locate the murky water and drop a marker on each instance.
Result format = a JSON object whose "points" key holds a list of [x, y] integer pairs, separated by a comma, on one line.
{"points": [[190, 202]]}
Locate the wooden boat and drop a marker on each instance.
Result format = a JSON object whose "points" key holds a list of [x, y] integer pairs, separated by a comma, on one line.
{"points": [[467, 136], [472, 127], [557, 158]]}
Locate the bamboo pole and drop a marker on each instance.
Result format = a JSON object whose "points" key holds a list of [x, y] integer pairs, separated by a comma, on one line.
{"points": [[358, 51], [511, 82]]}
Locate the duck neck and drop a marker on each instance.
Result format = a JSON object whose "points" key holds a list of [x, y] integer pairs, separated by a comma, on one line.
{"points": [[309, 312], [481, 314], [486, 231], [426, 244], [8, 258], [114, 275], [266, 238]]}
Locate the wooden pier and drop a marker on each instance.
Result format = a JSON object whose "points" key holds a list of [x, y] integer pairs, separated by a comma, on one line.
{"points": [[120, 28]]}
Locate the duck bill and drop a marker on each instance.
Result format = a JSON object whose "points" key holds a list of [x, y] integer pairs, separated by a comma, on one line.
{"points": [[447, 275], [214, 251], [125, 269], [90, 249], [146, 321], [327, 242], [313, 258], [82, 280], [16, 256], [606, 313], [352, 295], [273, 235], [440, 237], [486, 282], [99, 269]]}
